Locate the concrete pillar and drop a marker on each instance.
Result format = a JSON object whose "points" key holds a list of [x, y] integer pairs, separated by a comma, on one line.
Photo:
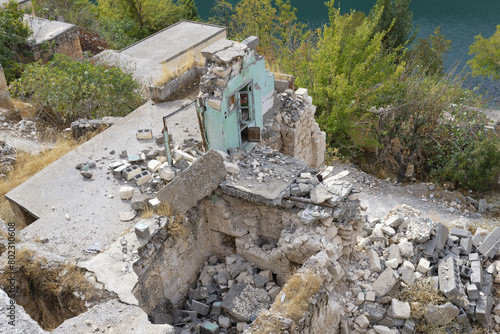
{"points": [[5, 101]]}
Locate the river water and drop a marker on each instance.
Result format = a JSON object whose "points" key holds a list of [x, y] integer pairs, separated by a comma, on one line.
{"points": [[460, 21]]}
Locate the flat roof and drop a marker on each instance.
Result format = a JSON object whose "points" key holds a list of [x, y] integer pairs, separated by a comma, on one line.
{"points": [[45, 30], [93, 205], [145, 57]]}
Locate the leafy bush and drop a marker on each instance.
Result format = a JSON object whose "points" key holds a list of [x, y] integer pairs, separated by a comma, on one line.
{"points": [[14, 33], [64, 90]]}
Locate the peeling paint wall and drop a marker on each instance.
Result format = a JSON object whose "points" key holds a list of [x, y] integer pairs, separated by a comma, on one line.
{"points": [[230, 67]]}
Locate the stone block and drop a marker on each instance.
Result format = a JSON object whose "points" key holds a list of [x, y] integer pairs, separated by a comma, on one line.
{"points": [[409, 327], [400, 310], [374, 261], [408, 276], [154, 165], [200, 308], [395, 253], [483, 310], [231, 168], [144, 134], [406, 249], [472, 291], [374, 312], [394, 221], [126, 192], [466, 245], [476, 276], [141, 230], [362, 321], [420, 230], [459, 232], [209, 328], [224, 322], [379, 329], [159, 139], [143, 177], [423, 266], [491, 243], [130, 172], [217, 308], [441, 236], [385, 282]]}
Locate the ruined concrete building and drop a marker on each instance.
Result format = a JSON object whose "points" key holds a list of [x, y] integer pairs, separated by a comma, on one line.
{"points": [[219, 217]]}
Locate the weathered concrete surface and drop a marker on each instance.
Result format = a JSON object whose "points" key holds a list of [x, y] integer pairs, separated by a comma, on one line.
{"points": [[93, 204], [112, 317], [195, 183], [168, 50], [63, 38], [113, 267], [21, 322]]}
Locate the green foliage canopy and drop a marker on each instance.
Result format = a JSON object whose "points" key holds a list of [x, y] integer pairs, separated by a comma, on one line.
{"points": [[64, 90], [14, 35], [486, 60]]}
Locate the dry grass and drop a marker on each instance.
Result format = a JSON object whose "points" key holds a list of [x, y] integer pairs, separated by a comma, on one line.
{"points": [[29, 164], [51, 286], [176, 223], [420, 295], [297, 293]]}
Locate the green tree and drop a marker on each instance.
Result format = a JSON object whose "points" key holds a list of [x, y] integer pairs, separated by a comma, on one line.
{"points": [[396, 21], [486, 55], [14, 34], [64, 90], [150, 15], [429, 53], [349, 72], [222, 14], [189, 10], [79, 12]]}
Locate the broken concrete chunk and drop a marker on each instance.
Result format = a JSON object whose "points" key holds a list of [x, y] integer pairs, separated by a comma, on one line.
{"points": [[242, 302], [231, 168], [127, 216], [394, 221], [320, 194], [385, 282], [154, 165], [374, 261], [126, 193], [420, 230], [168, 173], [441, 315], [142, 230], [459, 232], [373, 311], [491, 243], [400, 310]]}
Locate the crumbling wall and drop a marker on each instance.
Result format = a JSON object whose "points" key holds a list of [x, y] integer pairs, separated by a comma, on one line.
{"points": [[168, 266], [67, 43], [294, 130]]}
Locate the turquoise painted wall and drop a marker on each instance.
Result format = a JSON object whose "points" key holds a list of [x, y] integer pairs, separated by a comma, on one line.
{"points": [[223, 133]]}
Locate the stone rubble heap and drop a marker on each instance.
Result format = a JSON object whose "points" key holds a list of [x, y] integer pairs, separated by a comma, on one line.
{"points": [[227, 297], [404, 250], [7, 158], [82, 127]]}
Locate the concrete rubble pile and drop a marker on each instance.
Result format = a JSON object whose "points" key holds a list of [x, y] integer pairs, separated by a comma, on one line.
{"points": [[226, 297], [405, 250], [146, 171]]}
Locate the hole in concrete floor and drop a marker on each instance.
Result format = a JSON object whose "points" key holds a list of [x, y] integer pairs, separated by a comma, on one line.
{"points": [[49, 291], [226, 297], [23, 216]]}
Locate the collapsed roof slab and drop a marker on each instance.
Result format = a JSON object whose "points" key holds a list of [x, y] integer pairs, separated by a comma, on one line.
{"points": [[265, 177], [75, 213]]}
